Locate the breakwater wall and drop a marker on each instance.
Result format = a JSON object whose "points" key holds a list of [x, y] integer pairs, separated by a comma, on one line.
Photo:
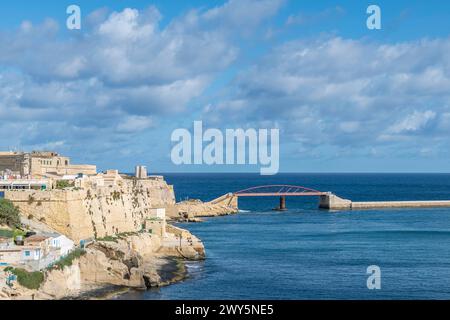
{"points": [[332, 202]]}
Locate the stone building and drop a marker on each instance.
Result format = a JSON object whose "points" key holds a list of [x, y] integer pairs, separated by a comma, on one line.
{"points": [[38, 164], [36, 252], [141, 172]]}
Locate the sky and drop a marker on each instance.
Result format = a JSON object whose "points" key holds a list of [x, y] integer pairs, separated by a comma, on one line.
{"points": [[345, 98]]}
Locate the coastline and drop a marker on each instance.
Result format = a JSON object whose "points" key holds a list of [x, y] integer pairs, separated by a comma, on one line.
{"points": [[174, 271], [118, 223], [109, 269]]}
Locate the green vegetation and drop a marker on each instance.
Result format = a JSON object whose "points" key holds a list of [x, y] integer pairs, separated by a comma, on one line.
{"points": [[126, 234], [154, 219], [63, 184], [30, 199], [116, 195], [117, 237], [9, 214], [6, 233], [29, 280], [19, 233], [108, 239], [67, 261]]}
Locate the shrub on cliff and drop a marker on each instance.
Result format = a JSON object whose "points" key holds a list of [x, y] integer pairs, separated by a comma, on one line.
{"points": [[108, 239], [9, 214], [6, 233], [67, 261], [63, 184], [29, 280]]}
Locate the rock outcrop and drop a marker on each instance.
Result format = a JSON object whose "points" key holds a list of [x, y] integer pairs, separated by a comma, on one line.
{"points": [[138, 261], [191, 210]]}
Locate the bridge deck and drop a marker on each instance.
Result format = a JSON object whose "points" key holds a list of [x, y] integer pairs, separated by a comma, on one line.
{"points": [[278, 190], [281, 194]]}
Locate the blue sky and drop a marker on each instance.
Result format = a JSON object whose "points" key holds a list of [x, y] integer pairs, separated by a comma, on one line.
{"points": [[345, 98]]}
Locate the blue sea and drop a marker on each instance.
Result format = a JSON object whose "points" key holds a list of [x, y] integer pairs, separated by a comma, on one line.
{"points": [[307, 253]]}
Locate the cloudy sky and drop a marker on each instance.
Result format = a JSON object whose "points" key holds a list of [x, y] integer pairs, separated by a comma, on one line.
{"points": [[345, 98]]}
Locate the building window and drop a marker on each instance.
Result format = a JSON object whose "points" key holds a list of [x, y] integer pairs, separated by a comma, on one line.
{"points": [[27, 253], [67, 162]]}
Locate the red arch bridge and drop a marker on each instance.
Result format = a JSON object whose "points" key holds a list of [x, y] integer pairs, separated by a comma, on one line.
{"points": [[279, 190]]}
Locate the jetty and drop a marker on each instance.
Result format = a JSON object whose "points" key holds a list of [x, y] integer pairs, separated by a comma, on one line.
{"points": [[332, 202], [328, 200]]}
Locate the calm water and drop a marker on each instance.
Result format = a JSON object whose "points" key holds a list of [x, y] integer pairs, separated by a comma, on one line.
{"points": [[306, 253]]}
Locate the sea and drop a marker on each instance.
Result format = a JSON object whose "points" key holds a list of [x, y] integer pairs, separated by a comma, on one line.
{"points": [[306, 253]]}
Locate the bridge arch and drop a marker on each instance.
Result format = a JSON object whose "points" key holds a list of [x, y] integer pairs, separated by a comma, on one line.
{"points": [[278, 190]]}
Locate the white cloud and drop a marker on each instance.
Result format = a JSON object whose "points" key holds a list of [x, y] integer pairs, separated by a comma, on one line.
{"points": [[243, 15], [304, 18], [134, 124], [347, 93], [414, 122], [118, 74]]}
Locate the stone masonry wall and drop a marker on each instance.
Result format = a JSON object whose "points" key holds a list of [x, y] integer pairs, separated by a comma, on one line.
{"points": [[95, 212]]}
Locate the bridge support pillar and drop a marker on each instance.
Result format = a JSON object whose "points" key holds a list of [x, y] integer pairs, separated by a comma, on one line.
{"points": [[283, 203], [282, 206]]}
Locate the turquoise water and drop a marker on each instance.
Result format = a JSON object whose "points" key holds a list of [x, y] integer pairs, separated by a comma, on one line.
{"points": [[306, 253]]}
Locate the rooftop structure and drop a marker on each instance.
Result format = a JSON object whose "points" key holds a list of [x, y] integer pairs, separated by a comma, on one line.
{"points": [[41, 164], [18, 184]]}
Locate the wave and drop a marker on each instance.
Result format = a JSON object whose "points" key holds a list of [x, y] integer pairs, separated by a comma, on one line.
{"points": [[244, 211], [194, 267]]}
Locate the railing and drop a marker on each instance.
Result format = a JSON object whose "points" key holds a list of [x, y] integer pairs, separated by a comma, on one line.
{"points": [[278, 190]]}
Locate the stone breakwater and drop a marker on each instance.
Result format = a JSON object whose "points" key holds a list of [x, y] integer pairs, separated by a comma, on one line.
{"points": [[333, 202], [193, 210]]}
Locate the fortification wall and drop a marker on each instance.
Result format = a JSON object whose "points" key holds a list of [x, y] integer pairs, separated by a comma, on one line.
{"points": [[95, 212]]}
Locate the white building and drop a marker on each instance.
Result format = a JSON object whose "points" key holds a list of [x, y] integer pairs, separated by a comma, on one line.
{"points": [[37, 252], [64, 244], [158, 213]]}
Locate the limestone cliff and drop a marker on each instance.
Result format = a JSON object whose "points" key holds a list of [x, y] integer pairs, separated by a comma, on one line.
{"points": [[191, 209], [96, 211], [138, 261]]}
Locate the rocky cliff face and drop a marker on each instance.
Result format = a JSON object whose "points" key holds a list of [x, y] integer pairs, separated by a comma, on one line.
{"points": [[138, 261], [191, 209], [130, 258], [95, 212]]}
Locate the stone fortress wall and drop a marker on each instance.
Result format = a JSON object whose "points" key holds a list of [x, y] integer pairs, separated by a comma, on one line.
{"points": [[96, 211]]}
